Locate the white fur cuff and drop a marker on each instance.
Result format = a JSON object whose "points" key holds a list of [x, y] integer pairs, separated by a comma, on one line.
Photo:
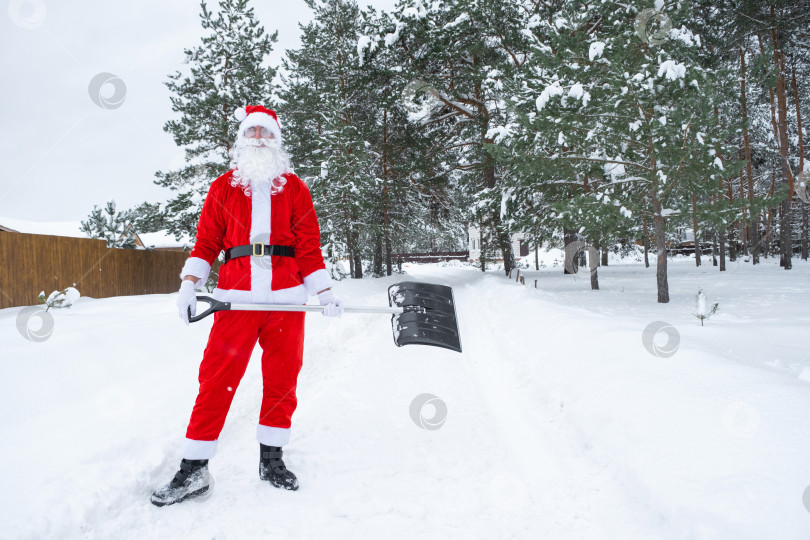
{"points": [[196, 267], [199, 449], [272, 436], [317, 281]]}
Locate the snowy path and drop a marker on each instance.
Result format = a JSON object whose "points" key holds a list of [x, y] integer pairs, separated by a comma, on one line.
{"points": [[560, 424]]}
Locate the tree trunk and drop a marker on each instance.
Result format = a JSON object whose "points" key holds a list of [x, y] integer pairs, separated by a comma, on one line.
{"points": [[741, 224], [354, 248], [785, 236], [593, 254], [659, 224], [804, 231], [377, 266], [722, 235], [645, 241], [483, 245], [730, 229], [695, 230], [798, 120], [785, 244], [503, 237], [389, 267], [801, 162], [769, 236], [732, 244], [604, 256], [582, 261], [569, 237], [753, 233]]}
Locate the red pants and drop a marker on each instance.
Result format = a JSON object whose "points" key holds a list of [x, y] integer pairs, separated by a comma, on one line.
{"points": [[230, 344]]}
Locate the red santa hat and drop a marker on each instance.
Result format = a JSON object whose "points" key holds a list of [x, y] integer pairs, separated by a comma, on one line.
{"points": [[257, 115]]}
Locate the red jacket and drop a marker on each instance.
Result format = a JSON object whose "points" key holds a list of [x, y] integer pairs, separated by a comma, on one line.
{"points": [[231, 218]]}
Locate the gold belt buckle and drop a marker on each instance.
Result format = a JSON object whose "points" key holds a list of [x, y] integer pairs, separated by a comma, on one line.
{"points": [[261, 249]]}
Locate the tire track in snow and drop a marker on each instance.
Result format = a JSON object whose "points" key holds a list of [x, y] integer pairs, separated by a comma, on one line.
{"points": [[486, 346], [568, 486]]}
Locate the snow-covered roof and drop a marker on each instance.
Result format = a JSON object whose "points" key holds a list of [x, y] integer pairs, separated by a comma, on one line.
{"points": [[160, 239], [164, 239], [54, 228]]}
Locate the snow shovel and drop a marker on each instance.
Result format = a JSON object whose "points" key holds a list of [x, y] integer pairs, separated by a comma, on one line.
{"points": [[422, 313]]}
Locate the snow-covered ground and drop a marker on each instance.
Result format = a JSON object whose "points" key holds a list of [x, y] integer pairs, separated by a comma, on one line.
{"points": [[560, 423]]}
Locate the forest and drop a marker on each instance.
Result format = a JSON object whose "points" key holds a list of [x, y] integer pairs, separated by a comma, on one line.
{"points": [[675, 126]]}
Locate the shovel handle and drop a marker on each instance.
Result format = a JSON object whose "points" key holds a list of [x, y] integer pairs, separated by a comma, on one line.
{"points": [[213, 307], [216, 305]]}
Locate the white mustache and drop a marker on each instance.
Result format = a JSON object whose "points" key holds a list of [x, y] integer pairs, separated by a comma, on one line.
{"points": [[261, 142]]}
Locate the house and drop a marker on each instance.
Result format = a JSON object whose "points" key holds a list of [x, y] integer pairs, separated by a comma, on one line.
{"points": [[520, 245], [163, 241], [160, 241]]}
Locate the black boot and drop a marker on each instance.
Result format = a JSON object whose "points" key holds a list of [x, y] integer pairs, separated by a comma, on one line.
{"points": [[190, 481], [272, 469]]}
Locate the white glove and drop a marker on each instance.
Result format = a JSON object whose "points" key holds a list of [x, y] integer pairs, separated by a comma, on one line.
{"points": [[334, 305], [187, 298]]}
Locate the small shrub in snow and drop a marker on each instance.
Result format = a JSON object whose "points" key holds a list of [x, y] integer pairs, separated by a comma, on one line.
{"points": [[703, 312], [59, 299]]}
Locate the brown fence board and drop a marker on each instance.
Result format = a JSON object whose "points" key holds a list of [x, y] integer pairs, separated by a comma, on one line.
{"points": [[30, 263]]}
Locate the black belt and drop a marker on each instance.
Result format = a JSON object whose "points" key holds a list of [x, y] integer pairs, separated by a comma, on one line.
{"points": [[258, 249]]}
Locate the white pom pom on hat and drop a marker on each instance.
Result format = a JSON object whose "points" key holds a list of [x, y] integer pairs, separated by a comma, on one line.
{"points": [[240, 113]]}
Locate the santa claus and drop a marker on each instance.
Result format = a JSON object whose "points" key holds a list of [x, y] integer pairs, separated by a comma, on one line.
{"points": [[261, 215]]}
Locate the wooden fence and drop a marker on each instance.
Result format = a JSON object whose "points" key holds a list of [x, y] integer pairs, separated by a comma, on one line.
{"points": [[30, 263], [437, 256]]}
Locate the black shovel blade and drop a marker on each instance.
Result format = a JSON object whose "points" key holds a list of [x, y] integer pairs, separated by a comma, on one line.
{"points": [[430, 316]]}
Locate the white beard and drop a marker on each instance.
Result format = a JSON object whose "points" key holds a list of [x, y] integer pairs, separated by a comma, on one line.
{"points": [[255, 163]]}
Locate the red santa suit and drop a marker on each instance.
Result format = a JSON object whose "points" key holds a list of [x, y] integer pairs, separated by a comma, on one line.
{"points": [[231, 217]]}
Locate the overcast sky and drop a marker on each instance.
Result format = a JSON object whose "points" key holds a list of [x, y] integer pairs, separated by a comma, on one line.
{"points": [[60, 152]]}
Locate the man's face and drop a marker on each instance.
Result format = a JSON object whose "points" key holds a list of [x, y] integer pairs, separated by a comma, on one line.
{"points": [[258, 154], [257, 133]]}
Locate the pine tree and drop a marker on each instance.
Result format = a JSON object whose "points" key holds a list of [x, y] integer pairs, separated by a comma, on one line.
{"points": [[226, 71], [461, 50], [618, 109], [417, 207], [371, 176], [148, 218], [322, 110], [767, 41], [110, 225]]}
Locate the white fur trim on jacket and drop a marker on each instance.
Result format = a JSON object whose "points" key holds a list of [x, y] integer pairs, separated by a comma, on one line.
{"points": [[291, 295], [196, 267], [317, 281], [272, 436], [263, 120], [199, 449], [261, 269]]}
